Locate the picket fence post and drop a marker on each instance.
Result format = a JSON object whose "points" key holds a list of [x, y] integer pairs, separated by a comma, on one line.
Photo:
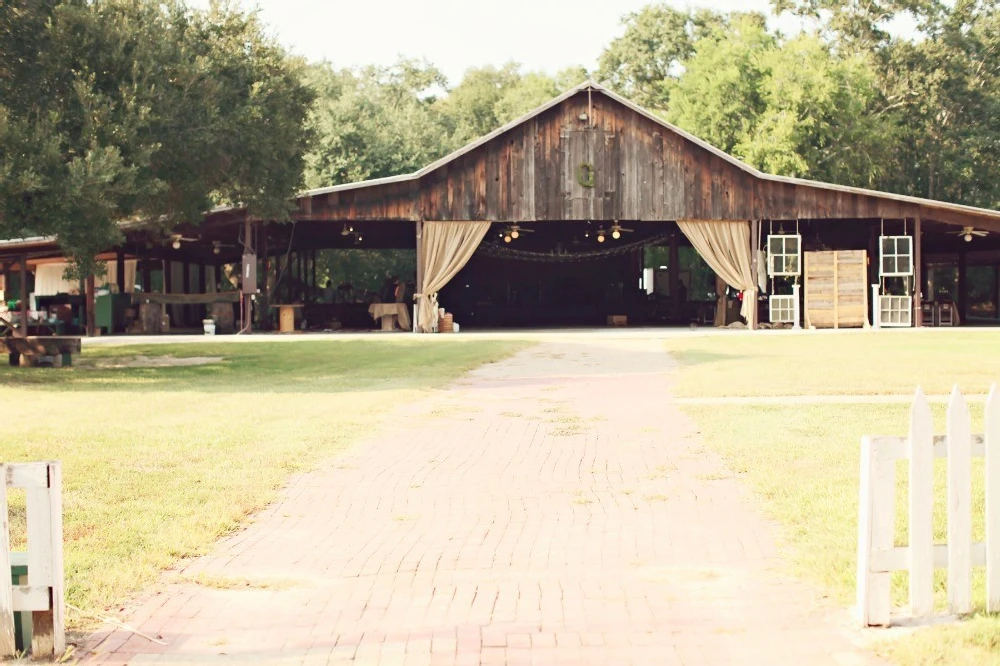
{"points": [[921, 505], [42, 596], [991, 446], [876, 525], [7, 642], [959, 505], [878, 556]]}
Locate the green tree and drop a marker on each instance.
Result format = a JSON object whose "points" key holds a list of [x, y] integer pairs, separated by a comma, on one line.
{"points": [[471, 107], [646, 62], [821, 116], [719, 98], [373, 122], [366, 270], [529, 92], [533, 89], [490, 97], [571, 76], [131, 109], [860, 25], [938, 104], [946, 92], [791, 107]]}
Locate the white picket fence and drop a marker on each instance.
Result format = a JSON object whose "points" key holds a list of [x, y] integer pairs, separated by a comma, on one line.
{"points": [[877, 554], [39, 599]]}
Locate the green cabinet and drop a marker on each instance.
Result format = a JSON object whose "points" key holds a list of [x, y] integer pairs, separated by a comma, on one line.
{"points": [[109, 311]]}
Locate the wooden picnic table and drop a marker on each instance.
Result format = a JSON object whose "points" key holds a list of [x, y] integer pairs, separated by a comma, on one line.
{"points": [[34, 347]]}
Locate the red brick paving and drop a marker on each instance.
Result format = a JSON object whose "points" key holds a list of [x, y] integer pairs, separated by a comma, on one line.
{"points": [[550, 509]]}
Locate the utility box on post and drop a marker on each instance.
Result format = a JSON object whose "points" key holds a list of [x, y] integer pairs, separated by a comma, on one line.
{"points": [[248, 274]]}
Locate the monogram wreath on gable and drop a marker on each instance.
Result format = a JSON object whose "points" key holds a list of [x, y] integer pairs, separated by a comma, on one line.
{"points": [[585, 174]]}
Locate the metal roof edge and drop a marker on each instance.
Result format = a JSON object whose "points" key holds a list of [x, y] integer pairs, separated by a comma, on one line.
{"points": [[31, 240]]}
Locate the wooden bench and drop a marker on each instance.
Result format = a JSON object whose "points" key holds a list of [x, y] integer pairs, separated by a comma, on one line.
{"points": [[35, 348]]}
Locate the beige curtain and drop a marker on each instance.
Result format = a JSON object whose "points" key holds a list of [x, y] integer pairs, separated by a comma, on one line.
{"points": [[49, 278], [725, 247], [444, 250]]}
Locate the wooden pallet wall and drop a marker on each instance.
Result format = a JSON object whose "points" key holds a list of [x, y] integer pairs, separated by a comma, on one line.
{"points": [[836, 289]]}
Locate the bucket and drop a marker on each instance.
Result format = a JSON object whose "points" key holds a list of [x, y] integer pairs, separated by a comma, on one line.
{"points": [[209, 325]]}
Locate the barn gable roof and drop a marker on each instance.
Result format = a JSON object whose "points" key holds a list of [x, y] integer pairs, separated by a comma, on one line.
{"points": [[594, 87]]}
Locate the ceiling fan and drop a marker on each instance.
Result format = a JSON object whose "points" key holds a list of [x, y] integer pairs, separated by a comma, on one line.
{"points": [[617, 229], [349, 231], [616, 232], [968, 232], [218, 245], [175, 240], [513, 231]]}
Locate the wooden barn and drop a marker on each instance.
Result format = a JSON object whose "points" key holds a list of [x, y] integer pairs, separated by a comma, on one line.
{"points": [[587, 211]]}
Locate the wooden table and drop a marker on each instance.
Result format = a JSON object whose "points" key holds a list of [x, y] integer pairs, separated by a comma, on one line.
{"points": [[286, 316], [391, 314], [35, 346]]}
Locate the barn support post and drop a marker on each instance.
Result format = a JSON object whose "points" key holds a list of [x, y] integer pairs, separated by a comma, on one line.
{"points": [[186, 285], [752, 324], [23, 263], [268, 284], [203, 310], [147, 275], [300, 294], [91, 319], [248, 248], [315, 287], [420, 270], [918, 272], [278, 277], [120, 271], [996, 292], [963, 297], [675, 274]]}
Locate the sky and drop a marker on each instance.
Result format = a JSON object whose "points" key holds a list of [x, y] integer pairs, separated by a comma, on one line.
{"points": [[545, 35]]}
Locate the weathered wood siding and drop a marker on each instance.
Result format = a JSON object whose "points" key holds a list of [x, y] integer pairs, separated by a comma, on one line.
{"points": [[641, 171], [836, 289]]}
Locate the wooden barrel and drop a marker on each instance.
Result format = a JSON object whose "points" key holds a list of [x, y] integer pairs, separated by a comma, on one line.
{"points": [[222, 313], [151, 318], [446, 324]]}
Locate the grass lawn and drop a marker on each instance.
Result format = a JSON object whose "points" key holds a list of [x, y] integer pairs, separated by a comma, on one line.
{"points": [[159, 462], [844, 363], [803, 460]]}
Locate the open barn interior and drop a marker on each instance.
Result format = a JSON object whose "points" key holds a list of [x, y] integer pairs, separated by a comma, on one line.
{"points": [[572, 273]]}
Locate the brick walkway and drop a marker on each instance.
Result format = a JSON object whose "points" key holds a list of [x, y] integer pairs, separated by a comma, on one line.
{"points": [[551, 509]]}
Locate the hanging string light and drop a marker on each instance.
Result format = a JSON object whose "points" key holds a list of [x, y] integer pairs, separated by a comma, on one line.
{"points": [[499, 251]]}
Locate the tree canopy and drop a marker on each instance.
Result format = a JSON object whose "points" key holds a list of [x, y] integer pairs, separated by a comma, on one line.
{"points": [[841, 101], [116, 110]]}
